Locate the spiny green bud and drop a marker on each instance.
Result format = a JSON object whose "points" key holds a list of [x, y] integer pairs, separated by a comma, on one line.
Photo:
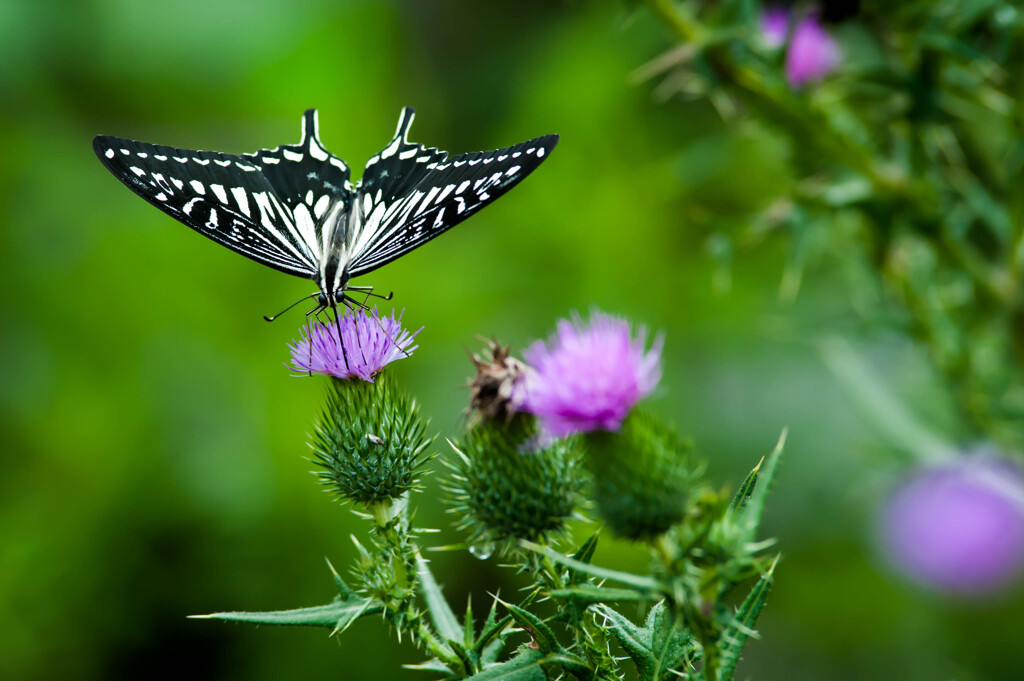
{"points": [[642, 476], [507, 487], [370, 440]]}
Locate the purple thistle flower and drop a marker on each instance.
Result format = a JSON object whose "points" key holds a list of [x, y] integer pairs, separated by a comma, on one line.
{"points": [[370, 342], [589, 375], [812, 53], [775, 26], [958, 527]]}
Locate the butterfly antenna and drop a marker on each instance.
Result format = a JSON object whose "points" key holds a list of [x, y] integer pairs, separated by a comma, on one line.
{"points": [[273, 317]]}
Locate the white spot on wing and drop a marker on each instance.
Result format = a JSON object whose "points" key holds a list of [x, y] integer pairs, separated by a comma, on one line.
{"points": [[242, 199], [161, 197], [513, 170], [218, 190], [309, 197], [223, 164], [291, 155], [138, 171], [317, 152], [321, 206], [197, 186], [271, 160], [462, 187], [187, 208], [444, 193], [540, 152], [109, 153]]}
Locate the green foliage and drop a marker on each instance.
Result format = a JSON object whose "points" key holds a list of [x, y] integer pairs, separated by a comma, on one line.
{"points": [[504, 488], [642, 476], [905, 172], [370, 441], [659, 648]]}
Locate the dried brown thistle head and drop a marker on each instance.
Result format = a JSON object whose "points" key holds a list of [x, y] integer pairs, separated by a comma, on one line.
{"points": [[492, 389]]}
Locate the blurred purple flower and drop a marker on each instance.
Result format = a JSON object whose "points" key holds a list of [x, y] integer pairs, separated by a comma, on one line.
{"points": [[370, 342], [958, 527], [812, 53], [775, 26], [589, 375]]}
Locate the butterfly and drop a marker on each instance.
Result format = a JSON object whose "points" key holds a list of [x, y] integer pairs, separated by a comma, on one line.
{"points": [[294, 208]]}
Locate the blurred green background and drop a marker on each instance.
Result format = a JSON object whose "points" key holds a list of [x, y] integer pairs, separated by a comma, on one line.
{"points": [[153, 442]]}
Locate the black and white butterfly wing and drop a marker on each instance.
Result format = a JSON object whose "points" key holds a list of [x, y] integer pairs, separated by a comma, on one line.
{"points": [[410, 194], [264, 205]]}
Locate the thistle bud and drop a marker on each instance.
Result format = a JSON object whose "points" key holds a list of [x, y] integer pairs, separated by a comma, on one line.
{"points": [[507, 485], [642, 476], [370, 440]]}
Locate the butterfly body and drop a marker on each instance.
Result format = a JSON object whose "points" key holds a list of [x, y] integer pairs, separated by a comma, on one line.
{"points": [[295, 209]]}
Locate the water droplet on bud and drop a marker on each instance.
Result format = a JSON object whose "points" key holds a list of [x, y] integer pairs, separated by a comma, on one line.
{"points": [[482, 551]]}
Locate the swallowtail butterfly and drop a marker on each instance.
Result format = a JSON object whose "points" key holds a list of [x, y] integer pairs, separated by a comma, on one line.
{"points": [[294, 208]]}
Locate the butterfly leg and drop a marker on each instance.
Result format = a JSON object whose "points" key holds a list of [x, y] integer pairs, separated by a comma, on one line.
{"points": [[369, 292], [311, 314]]}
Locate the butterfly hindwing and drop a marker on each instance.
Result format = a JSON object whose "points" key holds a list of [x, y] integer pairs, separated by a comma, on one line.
{"points": [[411, 194], [307, 179]]}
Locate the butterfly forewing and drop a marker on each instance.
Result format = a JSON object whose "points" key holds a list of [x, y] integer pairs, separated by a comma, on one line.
{"points": [[445, 192], [263, 205]]}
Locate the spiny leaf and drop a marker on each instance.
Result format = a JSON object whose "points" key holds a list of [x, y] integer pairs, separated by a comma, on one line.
{"points": [[743, 493], [344, 591], [492, 639], [440, 612], [736, 635], [336, 616], [754, 508], [658, 648], [586, 551], [525, 666], [570, 663], [539, 631], [469, 625], [588, 595], [636, 581]]}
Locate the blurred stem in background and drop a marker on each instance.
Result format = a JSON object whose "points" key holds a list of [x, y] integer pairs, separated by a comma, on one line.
{"points": [[917, 139]]}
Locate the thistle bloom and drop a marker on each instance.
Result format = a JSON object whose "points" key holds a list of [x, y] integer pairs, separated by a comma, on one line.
{"points": [[589, 375], [958, 527], [812, 53], [775, 26], [368, 343]]}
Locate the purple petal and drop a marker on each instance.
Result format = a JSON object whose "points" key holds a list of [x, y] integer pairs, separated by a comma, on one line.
{"points": [[959, 527], [775, 26], [812, 53], [368, 343], [588, 376]]}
